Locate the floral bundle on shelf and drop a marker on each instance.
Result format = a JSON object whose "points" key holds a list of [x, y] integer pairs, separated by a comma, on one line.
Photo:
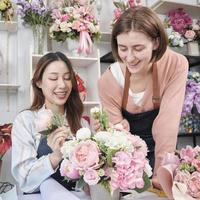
{"points": [[114, 159], [34, 12], [179, 174], [190, 120], [47, 121], [76, 21], [6, 10], [181, 28], [5, 139], [122, 5], [81, 87]]}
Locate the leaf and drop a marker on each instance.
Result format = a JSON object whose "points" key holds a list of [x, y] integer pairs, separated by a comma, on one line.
{"points": [[147, 184], [109, 155], [106, 185], [80, 183]]}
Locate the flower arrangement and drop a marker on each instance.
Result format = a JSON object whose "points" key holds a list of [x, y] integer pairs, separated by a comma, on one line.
{"points": [[75, 20], [47, 121], [5, 139], [115, 159], [34, 12], [122, 5], [190, 122], [6, 10], [180, 174], [181, 28]]}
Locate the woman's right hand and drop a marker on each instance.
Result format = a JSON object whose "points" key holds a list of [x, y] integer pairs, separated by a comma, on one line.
{"points": [[55, 141]]}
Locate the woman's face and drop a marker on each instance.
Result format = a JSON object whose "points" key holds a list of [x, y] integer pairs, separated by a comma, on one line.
{"points": [[56, 85], [135, 50]]}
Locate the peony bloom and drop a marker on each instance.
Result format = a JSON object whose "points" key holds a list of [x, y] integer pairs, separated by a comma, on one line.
{"points": [[91, 177], [85, 154], [83, 134]]}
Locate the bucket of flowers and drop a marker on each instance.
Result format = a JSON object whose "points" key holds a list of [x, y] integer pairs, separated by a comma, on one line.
{"points": [[108, 161], [75, 21], [179, 174]]}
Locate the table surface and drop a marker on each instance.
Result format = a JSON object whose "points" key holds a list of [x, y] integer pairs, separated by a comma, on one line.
{"points": [[83, 196]]}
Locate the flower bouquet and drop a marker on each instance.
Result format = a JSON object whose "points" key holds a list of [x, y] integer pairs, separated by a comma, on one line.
{"points": [[181, 28], [75, 20], [35, 14], [111, 158], [190, 120], [122, 5], [179, 174], [47, 121], [6, 10]]}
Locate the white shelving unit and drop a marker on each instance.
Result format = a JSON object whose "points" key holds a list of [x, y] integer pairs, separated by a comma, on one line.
{"points": [[89, 70], [164, 6], [8, 26], [9, 86]]}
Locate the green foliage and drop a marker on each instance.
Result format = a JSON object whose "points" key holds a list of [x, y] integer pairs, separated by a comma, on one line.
{"points": [[147, 184]]}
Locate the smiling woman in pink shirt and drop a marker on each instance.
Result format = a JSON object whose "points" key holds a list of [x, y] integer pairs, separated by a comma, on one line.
{"points": [[144, 89]]}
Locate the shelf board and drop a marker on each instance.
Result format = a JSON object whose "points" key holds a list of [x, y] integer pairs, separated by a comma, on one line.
{"points": [[9, 86], [76, 61], [10, 26], [164, 6], [105, 37]]}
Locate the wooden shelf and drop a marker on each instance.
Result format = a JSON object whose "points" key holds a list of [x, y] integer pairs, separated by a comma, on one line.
{"points": [[105, 37], [8, 26], [9, 86], [164, 6]]}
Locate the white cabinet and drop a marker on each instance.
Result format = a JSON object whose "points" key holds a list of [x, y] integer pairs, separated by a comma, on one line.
{"points": [[8, 71], [88, 69]]}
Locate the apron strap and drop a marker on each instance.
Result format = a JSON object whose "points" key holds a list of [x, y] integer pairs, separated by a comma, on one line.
{"points": [[156, 92]]}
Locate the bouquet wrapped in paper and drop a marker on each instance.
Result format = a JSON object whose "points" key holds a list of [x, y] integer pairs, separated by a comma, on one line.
{"points": [[179, 174]]}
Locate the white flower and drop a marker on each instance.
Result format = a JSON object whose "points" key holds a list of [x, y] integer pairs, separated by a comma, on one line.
{"points": [[67, 148], [83, 134], [102, 136], [95, 110], [64, 27], [148, 169]]}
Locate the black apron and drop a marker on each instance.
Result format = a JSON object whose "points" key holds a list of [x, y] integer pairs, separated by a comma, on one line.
{"points": [[44, 149], [141, 123]]}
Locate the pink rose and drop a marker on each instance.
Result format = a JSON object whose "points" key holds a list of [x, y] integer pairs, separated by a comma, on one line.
{"points": [[182, 176], [196, 163], [85, 154], [43, 120], [194, 185], [190, 34], [91, 177], [187, 154], [67, 169]]}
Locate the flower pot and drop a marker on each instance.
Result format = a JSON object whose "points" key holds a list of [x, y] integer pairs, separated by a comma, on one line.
{"points": [[38, 37], [193, 48], [98, 192]]}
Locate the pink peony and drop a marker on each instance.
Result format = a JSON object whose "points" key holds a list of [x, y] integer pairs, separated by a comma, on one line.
{"points": [[91, 177], [182, 176], [187, 154], [43, 120], [194, 185], [196, 163], [122, 158], [85, 154], [67, 169]]}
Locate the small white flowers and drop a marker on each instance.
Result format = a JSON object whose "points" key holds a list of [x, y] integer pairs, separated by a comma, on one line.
{"points": [[83, 134]]}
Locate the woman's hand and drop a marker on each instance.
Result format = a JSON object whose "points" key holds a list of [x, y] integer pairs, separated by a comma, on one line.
{"points": [[55, 141], [122, 126]]}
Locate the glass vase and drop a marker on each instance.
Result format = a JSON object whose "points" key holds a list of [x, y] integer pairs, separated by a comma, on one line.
{"points": [[98, 192], [38, 38], [193, 48]]}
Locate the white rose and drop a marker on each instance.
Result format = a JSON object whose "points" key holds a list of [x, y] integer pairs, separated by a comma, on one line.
{"points": [[148, 170], [83, 134]]}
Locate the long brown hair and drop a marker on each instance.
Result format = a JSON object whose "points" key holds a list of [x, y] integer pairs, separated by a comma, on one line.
{"points": [[73, 105], [141, 19]]}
